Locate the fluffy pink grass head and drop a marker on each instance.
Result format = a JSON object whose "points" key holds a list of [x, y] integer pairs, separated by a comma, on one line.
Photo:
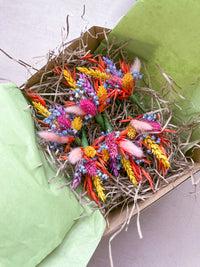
{"points": [[141, 126], [131, 148], [145, 126], [136, 65], [52, 137], [88, 107], [75, 110], [75, 155]]}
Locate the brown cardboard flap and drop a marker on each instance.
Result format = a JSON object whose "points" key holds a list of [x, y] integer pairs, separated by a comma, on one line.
{"points": [[91, 38], [194, 153], [118, 216]]}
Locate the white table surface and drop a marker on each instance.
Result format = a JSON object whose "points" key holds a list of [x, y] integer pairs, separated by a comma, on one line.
{"points": [[170, 227]]}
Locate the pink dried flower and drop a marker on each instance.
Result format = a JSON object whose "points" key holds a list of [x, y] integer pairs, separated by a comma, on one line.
{"points": [[75, 155], [136, 65], [64, 122], [75, 110], [131, 148], [112, 146], [145, 126], [115, 80], [156, 126], [53, 137], [88, 107], [91, 168]]}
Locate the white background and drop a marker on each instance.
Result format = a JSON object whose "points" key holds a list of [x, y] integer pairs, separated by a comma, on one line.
{"points": [[171, 226], [29, 29]]}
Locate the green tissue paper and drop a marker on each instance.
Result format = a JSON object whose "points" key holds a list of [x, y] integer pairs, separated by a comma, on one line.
{"points": [[36, 219]]}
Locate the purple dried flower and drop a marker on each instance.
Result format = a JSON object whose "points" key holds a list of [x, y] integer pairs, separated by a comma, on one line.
{"points": [[112, 146], [112, 67], [77, 177], [60, 109], [87, 87], [113, 166], [76, 181], [91, 168]]}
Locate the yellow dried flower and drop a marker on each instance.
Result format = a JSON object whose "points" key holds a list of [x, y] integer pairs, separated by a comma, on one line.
{"points": [[127, 166], [94, 73], [105, 155], [41, 109], [89, 151], [101, 92], [131, 132], [127, 80], [155, 149], [76, 123], [69, 79], [98, 185]]}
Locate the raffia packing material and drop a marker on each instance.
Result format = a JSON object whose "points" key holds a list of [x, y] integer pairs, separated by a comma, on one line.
{"points": [[93, 38]]}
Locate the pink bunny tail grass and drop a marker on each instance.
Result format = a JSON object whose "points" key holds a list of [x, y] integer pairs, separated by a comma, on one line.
{"points": [[131, 148], [75, 110], [141, 126], [88, 107], [52, 137], [136, 65], [75, 155], [145, 126]]}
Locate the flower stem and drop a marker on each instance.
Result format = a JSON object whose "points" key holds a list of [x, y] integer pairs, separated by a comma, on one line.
{"points": [[99, 119], [135, 100], [107, 124], [77, 141], [84, 140]]}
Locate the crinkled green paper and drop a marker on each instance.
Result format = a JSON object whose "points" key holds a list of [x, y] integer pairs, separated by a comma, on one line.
{"points": [[35, 217], [167, 33], [79, 243]]}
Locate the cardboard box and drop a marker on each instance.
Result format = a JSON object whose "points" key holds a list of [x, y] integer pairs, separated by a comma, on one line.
{"points": [[93, 38]]}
